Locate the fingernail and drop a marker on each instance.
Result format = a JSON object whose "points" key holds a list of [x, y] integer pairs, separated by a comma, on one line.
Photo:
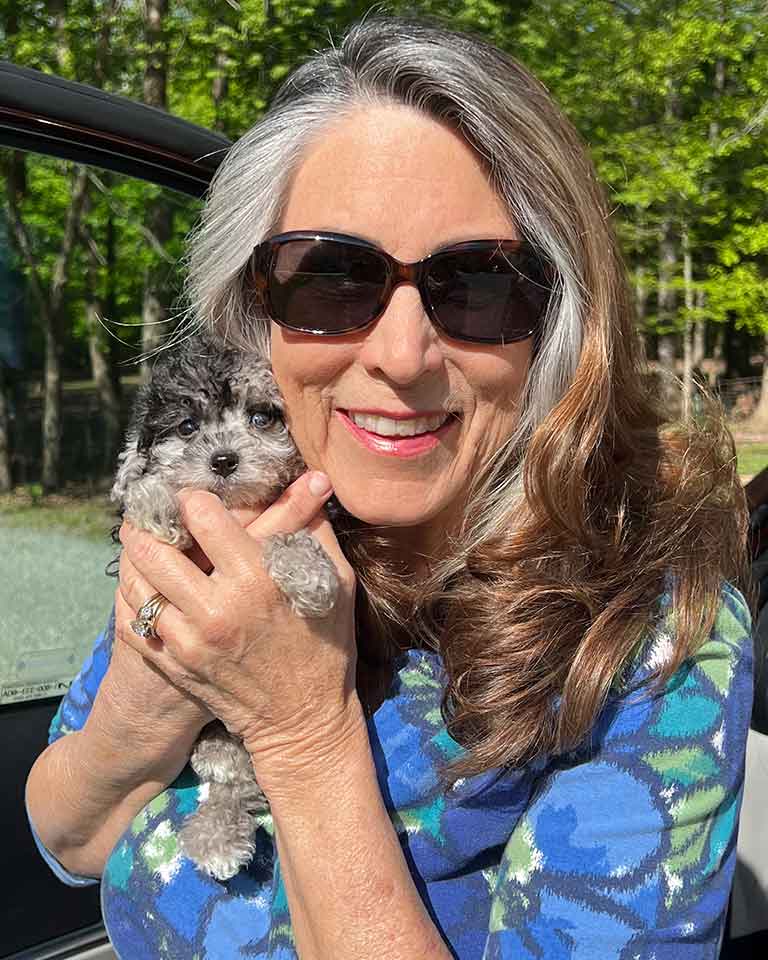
{"points": [[319, 484]]}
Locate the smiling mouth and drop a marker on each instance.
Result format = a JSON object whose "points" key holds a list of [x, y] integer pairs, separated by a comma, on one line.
{"points": [[391, 429], [409, 447]]}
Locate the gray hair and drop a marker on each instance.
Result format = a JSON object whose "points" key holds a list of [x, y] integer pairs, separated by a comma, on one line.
{"points": [[535, 161]]}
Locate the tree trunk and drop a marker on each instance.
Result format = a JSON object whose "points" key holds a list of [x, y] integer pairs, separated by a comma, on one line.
{"points": [[688, 326], [110, 300], [667, 299], [219, 89], [51, 478], [10, 23], [700, 327], [641, 296], [699, 331], [51, 426], [5, 432], [59, 10], [160, 218], [667, 302], [101, 270], [760, 417], [98, 351]]}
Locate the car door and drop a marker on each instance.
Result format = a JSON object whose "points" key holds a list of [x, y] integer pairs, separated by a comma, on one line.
{"points": [[54, 595]]}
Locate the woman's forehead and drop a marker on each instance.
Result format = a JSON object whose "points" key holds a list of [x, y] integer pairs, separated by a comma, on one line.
{"points": [[386, 173]]}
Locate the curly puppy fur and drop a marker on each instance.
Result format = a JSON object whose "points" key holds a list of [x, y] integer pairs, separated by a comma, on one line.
{"points": [[211, 418]]}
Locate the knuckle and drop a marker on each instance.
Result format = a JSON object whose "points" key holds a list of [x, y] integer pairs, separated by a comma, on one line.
{"points": [[201, 507], [146, 550], [217, 622]]}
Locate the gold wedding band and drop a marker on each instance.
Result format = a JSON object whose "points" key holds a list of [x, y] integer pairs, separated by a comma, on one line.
{"points": [[146, 618]]}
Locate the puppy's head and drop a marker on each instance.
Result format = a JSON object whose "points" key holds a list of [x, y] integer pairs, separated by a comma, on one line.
{"points": [[210, 418]]}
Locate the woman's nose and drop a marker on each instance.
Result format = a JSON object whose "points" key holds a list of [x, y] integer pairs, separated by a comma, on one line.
{"points": [[403, 343]]}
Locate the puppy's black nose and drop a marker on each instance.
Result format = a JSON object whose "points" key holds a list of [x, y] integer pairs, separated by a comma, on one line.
{"points": [[224, 463]]}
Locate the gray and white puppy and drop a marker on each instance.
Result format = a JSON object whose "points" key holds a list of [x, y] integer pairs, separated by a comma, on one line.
{"points": [[211, 418]]}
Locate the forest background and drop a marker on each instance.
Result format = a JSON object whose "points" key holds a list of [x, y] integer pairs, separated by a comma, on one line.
{"points": [[672, 98]]}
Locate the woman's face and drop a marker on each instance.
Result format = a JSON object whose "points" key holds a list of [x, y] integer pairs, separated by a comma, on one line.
{"points": [[410, 185]]}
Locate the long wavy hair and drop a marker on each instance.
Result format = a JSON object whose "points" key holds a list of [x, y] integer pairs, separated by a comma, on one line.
{"points": [[595, 504]]}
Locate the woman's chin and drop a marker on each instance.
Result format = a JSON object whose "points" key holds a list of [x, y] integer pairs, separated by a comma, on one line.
{"points": [[389, 512]]}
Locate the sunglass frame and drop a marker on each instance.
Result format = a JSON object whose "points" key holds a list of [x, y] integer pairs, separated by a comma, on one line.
{"points": [[264, 255]]}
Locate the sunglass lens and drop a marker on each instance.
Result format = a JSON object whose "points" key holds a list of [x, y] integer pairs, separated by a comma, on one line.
{"points": [[325, 286], [491, 294]]}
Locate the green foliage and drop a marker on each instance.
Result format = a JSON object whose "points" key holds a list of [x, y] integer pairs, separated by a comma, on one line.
{"points": [[641, 83]]}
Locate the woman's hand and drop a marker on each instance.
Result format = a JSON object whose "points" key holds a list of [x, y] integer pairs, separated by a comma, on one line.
{"points": [[284, 684], [134, 681]]}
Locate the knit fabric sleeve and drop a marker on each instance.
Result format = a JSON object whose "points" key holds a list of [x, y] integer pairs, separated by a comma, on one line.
{"points": [[628, 846]]}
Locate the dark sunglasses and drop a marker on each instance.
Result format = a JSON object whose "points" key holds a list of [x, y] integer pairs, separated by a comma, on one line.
{"points": [[484, 291]]}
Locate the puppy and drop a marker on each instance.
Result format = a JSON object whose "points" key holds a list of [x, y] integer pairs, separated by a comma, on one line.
{"points": [[212, 418]]}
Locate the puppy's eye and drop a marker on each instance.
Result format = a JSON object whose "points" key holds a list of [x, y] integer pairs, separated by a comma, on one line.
{"points": [[263, 419], [187, 427]]}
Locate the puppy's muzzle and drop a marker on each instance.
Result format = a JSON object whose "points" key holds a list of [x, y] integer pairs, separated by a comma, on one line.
{"points": [[224, 462]]}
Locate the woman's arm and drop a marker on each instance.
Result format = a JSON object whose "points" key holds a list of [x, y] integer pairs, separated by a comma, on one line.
{"points": [[350, 893], [120, 736], [86, 787]]}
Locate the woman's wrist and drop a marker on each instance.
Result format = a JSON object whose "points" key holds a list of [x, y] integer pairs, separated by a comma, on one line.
{"points": [[289, 762], [124, 752]]}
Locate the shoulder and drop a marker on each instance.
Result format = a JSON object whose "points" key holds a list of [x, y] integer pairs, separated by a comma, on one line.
{"points": [[719, 669]]}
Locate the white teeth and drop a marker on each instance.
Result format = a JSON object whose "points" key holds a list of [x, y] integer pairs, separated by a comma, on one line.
{"points": [[397, 428]]}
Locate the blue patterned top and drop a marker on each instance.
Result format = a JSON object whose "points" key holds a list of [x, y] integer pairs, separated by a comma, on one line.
{"points": [[623, 848]]}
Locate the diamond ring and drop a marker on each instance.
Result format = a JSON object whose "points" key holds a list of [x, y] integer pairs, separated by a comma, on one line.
{"points": [[146, 617]]}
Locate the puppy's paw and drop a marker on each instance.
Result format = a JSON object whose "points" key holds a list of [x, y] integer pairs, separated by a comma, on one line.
{"points": [[220, 757], [219, 838], [152, 506], [303, 571]]}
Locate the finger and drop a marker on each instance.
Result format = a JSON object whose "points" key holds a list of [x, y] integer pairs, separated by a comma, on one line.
{"points": [[243, 515], [166, 570], [133, 588], [219, 534], [296, 507], [169, 624], [125, 615], [301, 507], [198, 557], [228, 546]]}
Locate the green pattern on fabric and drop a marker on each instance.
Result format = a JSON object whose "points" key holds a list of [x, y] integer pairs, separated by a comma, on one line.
{"points": [[119, 867], [686, 765], [161, 848], [424, 819]]}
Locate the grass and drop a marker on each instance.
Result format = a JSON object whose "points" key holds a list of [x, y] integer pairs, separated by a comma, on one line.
{"points": [[752, 458], [26, 508], [54, 595]]}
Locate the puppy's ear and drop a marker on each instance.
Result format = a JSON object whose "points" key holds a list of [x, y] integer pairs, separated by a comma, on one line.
{"points": [[131, 465]]}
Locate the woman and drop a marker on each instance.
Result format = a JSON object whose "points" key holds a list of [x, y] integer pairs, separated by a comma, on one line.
{"points": [[543, 557]]}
